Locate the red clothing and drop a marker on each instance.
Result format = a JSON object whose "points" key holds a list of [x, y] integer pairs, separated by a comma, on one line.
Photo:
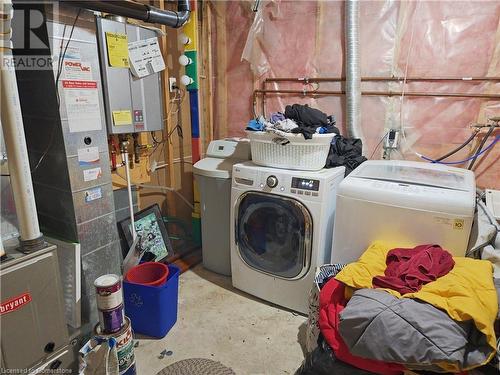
{"points": [[408, 269], [331, 303]]}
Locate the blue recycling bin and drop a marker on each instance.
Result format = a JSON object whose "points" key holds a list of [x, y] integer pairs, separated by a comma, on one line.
{"points": [[152, 310]]}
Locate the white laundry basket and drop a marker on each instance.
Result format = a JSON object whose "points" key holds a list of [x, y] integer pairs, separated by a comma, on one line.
{"points": [[292, 151]]}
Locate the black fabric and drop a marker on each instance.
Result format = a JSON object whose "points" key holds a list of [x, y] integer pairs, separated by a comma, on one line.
{"points": [[322, 361], [346, 152], [309, 119]]}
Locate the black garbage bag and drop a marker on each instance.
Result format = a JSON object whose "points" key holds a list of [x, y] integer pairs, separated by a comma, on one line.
{"points": [[346, 152], [322, 361]]}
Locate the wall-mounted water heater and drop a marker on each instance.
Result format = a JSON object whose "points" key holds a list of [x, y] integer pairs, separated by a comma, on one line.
{"points": [[131, 65]]}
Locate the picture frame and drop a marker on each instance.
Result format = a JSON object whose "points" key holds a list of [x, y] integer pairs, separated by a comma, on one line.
{"points": [[154, 243]]}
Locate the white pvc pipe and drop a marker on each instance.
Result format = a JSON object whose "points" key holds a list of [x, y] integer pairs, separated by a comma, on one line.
{"points": [[129, 190], [17, 152]]}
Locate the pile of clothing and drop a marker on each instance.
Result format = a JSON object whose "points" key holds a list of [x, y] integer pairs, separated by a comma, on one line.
{"points": [[297, 119], [305, 120], [399, 309]]}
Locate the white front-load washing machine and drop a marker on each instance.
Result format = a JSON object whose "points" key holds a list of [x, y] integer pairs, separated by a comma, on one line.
{"points": [[282, 227]]}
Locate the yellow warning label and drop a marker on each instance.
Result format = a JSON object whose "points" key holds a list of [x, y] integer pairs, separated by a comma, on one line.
{"points": [[122, 118], [458, 224], [117, 50]]}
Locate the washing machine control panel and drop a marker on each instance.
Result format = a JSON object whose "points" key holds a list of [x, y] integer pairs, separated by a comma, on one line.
{"points": [[272, 181], [305, 186]]}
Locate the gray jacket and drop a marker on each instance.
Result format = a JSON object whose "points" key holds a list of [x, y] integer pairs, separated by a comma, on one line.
{"points": [[377, 325]]}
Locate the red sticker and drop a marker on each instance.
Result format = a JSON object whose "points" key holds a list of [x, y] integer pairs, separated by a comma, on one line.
{"points": [[15, 303], [72, 84]]}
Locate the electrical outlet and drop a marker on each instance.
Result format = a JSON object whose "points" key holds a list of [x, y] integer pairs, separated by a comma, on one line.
{"points": [[172, 83], [392, 140]]}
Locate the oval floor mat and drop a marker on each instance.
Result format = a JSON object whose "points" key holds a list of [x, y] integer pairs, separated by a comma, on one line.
{"points": [[196, 366]]}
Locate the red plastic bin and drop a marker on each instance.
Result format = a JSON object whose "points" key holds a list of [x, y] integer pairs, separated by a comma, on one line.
{"points": [[148, 273]]}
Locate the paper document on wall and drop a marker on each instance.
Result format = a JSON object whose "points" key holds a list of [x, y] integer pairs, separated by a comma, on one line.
{"points": [[88, 156], [117, 49], [122, 118], [92, 174], [145, 57], [81, 99]]}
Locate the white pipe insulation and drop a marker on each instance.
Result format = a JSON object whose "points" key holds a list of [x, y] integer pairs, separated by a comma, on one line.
{"points": [[15, 141], [129, 192], [353, 70]]}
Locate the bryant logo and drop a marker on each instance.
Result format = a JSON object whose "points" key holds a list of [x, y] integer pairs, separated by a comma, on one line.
{"points": [[14, 303]]}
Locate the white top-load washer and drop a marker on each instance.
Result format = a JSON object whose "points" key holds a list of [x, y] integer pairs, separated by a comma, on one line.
{"points": [[282, 225], [403, 203]]}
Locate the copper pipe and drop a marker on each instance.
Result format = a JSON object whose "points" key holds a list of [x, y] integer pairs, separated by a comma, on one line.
{"points": [[383, 79], [368, 93], [381, 93], [302, 92]]}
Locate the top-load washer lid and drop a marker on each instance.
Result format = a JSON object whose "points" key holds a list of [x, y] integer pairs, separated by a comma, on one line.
{"points": [[221, 156], [416, 173]]}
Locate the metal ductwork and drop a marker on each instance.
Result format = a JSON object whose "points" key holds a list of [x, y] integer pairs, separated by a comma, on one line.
{"points": [[353, 70], [143, 12]]}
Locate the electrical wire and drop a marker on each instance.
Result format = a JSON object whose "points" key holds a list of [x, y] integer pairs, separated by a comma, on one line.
{"points": [[473, 157], [402, 126], [177, 98], [179, 131], [60, 64], [164, 188], [378, 145], [454, 151], [481, 145], [410, 48], [155, 140]]}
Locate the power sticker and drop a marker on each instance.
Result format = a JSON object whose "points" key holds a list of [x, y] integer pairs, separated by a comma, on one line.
{"points": [[15, 303], [458, 224]]}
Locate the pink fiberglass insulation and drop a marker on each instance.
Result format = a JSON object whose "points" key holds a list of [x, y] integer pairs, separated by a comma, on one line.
{"points": [[426, 39]]}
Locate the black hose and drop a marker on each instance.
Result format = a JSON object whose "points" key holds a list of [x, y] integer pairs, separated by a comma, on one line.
{"points": [[481, 145], [453, 152]]}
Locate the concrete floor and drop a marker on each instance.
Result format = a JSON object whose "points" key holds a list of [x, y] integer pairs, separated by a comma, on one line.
{"points": [[218, 322]]}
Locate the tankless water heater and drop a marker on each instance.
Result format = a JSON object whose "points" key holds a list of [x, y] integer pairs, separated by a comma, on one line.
{"points": [[132, 104]]}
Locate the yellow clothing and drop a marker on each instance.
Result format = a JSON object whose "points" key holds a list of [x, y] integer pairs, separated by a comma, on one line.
{"points": [[466, 292]]}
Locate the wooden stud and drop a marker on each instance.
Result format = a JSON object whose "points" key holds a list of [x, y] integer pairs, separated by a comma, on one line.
{"points": [[166, 105], [221, 86]]}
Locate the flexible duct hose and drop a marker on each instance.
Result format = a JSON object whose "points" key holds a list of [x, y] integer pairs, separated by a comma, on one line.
{"points": [[353, 70]]}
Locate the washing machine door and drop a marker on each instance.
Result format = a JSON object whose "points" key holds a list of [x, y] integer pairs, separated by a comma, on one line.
{"points": [[274, 234]]}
